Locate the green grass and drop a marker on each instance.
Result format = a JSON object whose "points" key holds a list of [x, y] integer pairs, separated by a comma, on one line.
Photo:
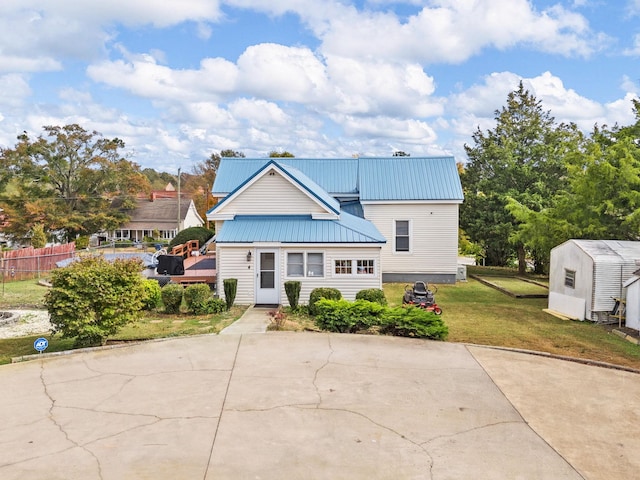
{"points": [[516, 286], [475, 313], [22, 294]]}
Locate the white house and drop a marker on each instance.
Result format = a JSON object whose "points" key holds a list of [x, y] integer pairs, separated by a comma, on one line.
{"points": [[586, 276], [344, 223]]}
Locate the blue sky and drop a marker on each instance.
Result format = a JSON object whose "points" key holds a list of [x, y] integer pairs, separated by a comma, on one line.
{"points": [[178, 80]]}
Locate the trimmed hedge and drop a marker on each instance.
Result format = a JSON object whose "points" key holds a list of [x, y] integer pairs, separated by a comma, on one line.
{"points": [[196, 296], [152, 294], [172, 294], [230, 289], [319, 293], [292, 289], [372, 295]]}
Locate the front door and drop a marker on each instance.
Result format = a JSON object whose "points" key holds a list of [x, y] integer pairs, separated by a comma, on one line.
{"points": [[267, 291]]}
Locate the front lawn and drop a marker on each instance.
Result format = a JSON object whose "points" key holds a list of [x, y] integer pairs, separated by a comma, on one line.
{"points": [[475, 313]]}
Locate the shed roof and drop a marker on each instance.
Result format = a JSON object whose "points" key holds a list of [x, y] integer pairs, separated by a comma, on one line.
{"points": [[298, 229], [611, 251]]}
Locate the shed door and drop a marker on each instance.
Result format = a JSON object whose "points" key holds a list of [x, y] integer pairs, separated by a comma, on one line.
{"points": [[267, 278]]}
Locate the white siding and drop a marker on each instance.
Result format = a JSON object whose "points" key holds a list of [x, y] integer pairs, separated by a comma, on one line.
{"points": [[569, 256], [272, 195], [433, 237], [232, 262], [633, 306], [192, 219], [348, 285]]}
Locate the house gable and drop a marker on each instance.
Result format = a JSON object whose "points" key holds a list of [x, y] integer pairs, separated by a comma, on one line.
{"points": [[276, 190]]}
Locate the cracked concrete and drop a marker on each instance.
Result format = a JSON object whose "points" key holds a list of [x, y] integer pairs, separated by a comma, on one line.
{"points": [[308, 405]]}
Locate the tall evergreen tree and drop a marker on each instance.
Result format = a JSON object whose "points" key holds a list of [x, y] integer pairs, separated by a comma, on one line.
{"points": [[521, 160]]}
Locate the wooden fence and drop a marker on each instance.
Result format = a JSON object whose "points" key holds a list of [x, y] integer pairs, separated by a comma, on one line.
{"points": [[27, 263]]}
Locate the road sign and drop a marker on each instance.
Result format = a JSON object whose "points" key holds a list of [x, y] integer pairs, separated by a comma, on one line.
{"points": [[41, 344]]}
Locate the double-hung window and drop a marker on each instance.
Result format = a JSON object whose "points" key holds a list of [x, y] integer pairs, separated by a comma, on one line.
{"points": [[305, 264], [402, 236]]}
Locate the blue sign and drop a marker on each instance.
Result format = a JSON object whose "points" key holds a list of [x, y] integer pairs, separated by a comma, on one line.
{"points": [[41, 344]]}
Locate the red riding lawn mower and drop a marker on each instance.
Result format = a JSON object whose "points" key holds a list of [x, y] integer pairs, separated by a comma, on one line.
{"points": [[422, 296]]}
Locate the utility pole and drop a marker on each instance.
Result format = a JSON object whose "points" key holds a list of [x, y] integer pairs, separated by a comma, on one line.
{"points": [[178, 229]]}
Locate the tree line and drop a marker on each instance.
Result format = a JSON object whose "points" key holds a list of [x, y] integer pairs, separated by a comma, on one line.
{"points": [[531, 183]]}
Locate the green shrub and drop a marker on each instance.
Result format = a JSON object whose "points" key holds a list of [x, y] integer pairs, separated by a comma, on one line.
{"points": [[196, 296], [152, 294], [372, 295], [413, 321], [230, 289], [82, 242], [214, 305], [292, 289], [92, 298], [192, 233], [343, 316], [172, 294], [318, 293]]}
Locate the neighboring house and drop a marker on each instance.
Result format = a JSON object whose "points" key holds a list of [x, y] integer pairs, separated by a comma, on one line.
{"points": [[159, 215], [586, 276], [344, 223]]}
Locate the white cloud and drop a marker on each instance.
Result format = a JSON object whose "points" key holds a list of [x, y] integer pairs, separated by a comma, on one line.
{"points": [[14, 89], [36, 35], [452, 31], [144, 77], [381, 88], [280, 72]]}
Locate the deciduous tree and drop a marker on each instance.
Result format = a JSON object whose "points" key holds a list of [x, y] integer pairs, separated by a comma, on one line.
{"points": [[67, 181]]}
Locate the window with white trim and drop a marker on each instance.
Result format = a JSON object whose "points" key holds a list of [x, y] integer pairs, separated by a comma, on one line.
{"points": [[354, 267], [402, 236], [305, 264], [315, 264], [365, 267], [295, 264]]}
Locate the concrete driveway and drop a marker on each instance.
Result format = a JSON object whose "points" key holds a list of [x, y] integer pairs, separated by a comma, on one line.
{"points": [[309, 405]]}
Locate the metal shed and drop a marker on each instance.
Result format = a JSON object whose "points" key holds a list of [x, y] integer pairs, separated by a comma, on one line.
{"points": [[586, 276]]}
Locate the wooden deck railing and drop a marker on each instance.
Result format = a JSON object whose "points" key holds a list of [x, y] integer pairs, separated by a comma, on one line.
{"points": [[185, 249]]}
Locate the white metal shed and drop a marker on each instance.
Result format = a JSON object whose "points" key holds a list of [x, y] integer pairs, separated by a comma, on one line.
{"points": [[585, 276], [633, 301]]}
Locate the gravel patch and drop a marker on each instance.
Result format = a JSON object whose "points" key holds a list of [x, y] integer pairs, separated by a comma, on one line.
{"points": [[27, 322]]}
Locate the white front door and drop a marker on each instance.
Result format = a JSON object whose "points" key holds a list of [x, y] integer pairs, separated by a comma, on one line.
{"points": [[267, 278]]}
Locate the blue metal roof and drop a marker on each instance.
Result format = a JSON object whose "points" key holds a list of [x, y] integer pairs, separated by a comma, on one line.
{"points": [[298, 229], [334, 175], [296, 176], [391, 178], [409, 178]]}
